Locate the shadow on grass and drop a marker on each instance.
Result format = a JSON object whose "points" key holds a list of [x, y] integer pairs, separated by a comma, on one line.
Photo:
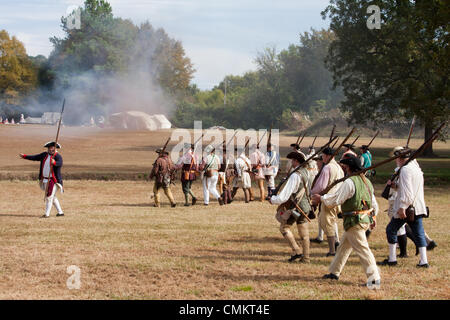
{"points": [[20, 215], [272, 277], [139, 205]]}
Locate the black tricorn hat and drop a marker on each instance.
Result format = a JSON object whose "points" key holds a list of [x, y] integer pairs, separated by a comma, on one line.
{"points": [[52, 144], [295, 145], [353, 162], [160, 150], [328, 151], [297, 156], [349, 146], [364, 147]]}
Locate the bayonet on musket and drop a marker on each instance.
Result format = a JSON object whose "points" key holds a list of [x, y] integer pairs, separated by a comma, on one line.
{"points": [[280, 184], [414, 155], [376, 134], [56, 146], [332, 131], [411, 128]]}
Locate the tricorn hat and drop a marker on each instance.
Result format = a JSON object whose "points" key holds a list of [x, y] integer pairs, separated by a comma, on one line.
{"points": [[189, 145], [353, 162], [295, 145], [52, 144], [160, 150], [209, 149], [328, 151], [364, 147], [300, 157], [402, 151], [349, 146]]}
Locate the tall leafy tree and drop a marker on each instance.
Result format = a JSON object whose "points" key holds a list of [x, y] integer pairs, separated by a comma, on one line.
{"points": [[397, 71], [18, 76]]}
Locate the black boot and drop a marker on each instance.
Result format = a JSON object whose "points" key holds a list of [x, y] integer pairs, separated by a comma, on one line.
{"points": [[402, 243], [269, 193], [411, 235]]}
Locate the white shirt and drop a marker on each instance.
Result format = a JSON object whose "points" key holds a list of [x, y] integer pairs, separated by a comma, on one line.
{"points": [[290, 187], [242, 164], [213, 161], [410, 189], [346, 191], [46, 168]]}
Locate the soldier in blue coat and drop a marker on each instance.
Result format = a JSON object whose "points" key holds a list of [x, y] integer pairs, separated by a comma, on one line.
{"points": [[49, 175]]}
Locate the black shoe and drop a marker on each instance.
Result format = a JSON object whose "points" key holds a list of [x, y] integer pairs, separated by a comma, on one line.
{"points": [[425, 265], [386, 262], [186, 204], [336, 244], [205, 204], [194, 201], [403, 255], [329, 254], [44, 216], [431, 245], [221, 201], [60, 214], [330, 276], [173, 205], [315, 240], [295, 257]]}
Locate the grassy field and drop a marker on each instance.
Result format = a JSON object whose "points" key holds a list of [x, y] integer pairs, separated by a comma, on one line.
{"points": [[126, 249]]}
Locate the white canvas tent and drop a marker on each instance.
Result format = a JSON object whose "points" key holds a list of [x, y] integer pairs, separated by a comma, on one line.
{"points": [[137, 120], [163, 122]]}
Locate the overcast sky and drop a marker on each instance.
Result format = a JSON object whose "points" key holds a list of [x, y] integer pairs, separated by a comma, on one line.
{"points": [[221, 37]]}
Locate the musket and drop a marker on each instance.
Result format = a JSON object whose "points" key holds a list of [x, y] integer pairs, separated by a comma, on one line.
{"points": [[195, 143], [373, 138], [353, 143], [335, 143], [434, 136], [363, 171], [261, 138], [280, 184], [411, 128], [56, 147], [224, 141], [312, 146], [300, 142], [332, 156], [332, 131]]}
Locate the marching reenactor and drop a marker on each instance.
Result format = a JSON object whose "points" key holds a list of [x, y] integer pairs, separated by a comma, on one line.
{"points": [[366, 156], [210, 168], [331, 172], [242, 178], [349, 150], [162, 171], [409, 206], [271, 169], [258, 162], [295, 191], [356, 197], [50, 178], [189, 165], [226, 175]]}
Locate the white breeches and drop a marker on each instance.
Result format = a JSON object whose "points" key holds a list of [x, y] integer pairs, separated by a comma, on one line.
{"points": [[209, 185], [52, 200], [244, 182]]}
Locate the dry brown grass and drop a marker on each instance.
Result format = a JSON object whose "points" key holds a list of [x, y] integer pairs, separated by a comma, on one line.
{"points": [[127, 249]]}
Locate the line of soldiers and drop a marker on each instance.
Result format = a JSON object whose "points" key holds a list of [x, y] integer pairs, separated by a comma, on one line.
{"points": [[309, 185], [228, 173]]}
